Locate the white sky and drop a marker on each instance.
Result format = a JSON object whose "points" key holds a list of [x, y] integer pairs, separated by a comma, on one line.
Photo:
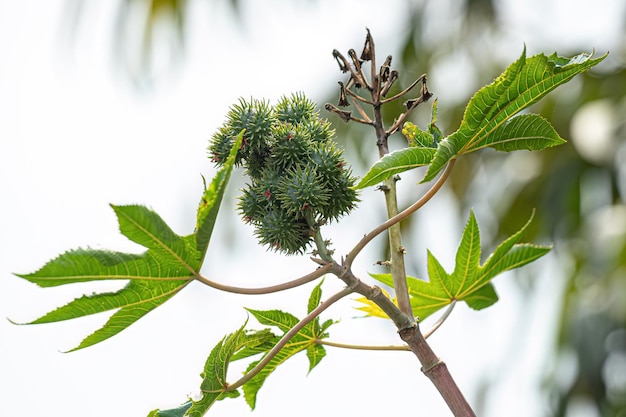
{"points": [[74, 138]]}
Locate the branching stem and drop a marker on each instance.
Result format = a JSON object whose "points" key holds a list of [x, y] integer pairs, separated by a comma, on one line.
{"points": [[441, 320], [361, 347], [267, 290], [400, 216], [422, 78], [427, 334]]}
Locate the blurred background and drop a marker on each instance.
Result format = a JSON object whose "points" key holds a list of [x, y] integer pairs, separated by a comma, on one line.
{"points": [[114, 102]]}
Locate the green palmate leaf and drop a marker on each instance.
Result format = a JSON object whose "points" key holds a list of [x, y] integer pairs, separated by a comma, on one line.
{"points": [[238, 345], [469, 282], [395, 163], [523, 83], [304, 340], [145, 227], [134, 301], [156, 275], [174, 412], [243, 344], [169, 264], [301, 341], [214, 386]]}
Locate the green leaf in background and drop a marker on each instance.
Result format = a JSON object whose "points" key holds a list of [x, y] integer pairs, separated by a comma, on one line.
{"points": [[469, 282], [169, 264], [394, 163], [523, 83]]}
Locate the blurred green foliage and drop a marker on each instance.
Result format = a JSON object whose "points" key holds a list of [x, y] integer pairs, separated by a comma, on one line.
{"points": [[578, 196], [578, 191]]}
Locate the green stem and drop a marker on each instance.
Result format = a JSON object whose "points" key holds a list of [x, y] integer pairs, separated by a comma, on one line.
{"points": [[360, 347], [396, 249], [406, 348], [399, 217], [374, 294], [320, 243], [398, 270], [266, 290]]}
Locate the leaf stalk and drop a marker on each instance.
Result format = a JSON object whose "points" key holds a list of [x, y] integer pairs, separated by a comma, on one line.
{"points": [[400, 216], [324, 269]]}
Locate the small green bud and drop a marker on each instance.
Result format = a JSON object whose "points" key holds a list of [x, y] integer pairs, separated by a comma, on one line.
{"points": [[256, 117], [220, 145], [291, 145], [252, 205], [302, 191], [283, 233], [295, 109], [320, 130]]}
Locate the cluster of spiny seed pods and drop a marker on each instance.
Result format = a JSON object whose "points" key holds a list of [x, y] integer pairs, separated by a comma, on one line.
{"points": [[298, 177]]}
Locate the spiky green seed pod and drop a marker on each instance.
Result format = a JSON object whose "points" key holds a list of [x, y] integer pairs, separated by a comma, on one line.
{"points": [[268, 184], [292, 144], [328, 159], [344, 197], [257, 118], [295, 109], [320, 130], [283, 233], [253, 205], [298, 177], [256, 161], [301, 191], [220, 145]]}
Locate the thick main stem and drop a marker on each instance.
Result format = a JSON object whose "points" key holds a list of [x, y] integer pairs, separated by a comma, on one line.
{"points": [[408, 329], [437, 371]]}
